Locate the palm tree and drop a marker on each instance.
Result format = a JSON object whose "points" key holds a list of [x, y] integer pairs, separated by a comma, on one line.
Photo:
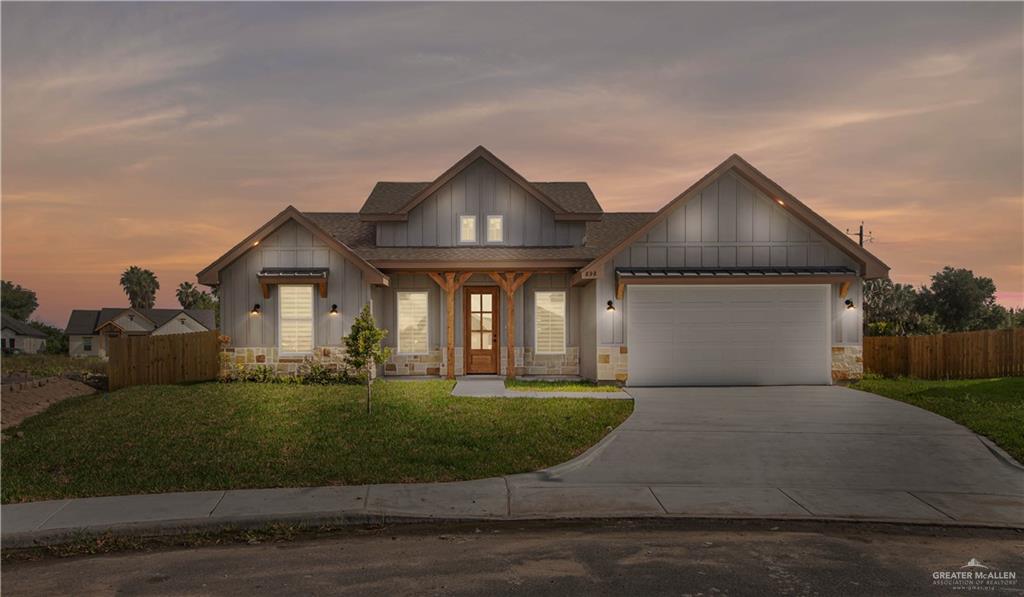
{"points": [[188, 295], [140, 285]]}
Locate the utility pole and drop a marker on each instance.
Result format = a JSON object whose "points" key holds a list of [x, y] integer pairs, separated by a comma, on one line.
{"points": [[861, 238]]}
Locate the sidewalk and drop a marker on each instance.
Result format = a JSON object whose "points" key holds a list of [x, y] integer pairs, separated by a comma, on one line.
{"points": [[519, 497], [494, 387]]}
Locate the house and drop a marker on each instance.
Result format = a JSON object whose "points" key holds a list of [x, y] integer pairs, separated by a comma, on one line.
{"points": [[20, 335], [88, 329], [481, 271]]}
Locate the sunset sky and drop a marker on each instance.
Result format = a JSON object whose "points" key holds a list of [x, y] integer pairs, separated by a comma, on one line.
{"points": [[161, 135]]}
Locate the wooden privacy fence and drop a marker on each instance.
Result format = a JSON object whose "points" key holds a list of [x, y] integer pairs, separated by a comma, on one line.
{"points": [[173, 358], [964, 355]]}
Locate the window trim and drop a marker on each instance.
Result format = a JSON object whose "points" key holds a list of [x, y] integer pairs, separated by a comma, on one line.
{"points": [[565, 322], [312, 320], [398, 327], [487, 229], [476, 230]]}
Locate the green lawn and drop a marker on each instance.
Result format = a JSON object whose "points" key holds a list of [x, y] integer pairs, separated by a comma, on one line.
{"points": [[49, 365], [244, 435], [991, 407], [536, 385]]}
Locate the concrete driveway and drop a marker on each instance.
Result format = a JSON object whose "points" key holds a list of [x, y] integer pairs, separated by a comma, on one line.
{"points": [[832, 451]]}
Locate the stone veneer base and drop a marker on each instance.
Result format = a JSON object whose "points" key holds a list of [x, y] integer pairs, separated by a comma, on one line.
{"points": [[613, 363], [847, 363]]}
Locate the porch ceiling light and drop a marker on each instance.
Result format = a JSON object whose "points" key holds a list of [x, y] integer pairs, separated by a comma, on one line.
{"points": [[255, 309], [610, 307]]}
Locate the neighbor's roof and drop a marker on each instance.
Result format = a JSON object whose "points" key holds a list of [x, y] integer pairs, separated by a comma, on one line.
{"points": [[87, 321], [20, 327], [360, 237], [389, 197]]}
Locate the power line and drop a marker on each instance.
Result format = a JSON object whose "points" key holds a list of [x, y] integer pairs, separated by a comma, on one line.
{"points": [[861, 237]]}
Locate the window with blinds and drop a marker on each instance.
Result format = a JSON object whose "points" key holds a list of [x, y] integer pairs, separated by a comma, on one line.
{"points": [[412, 322], [467, 229], [295, 321], [549, 322]]}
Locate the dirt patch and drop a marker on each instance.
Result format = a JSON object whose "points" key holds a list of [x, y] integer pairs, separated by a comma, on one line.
{"points": [[17, 406]]}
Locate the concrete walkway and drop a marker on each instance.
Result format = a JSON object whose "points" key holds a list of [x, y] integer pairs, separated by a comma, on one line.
{"points": [[494, 387], [777, 453]]}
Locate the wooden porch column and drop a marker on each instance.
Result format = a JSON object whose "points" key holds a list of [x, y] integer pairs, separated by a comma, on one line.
{"points": [[450, 283], [510, 283]]}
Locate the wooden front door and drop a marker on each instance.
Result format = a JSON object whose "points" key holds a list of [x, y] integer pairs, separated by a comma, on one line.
{"points": [[480, 323]]}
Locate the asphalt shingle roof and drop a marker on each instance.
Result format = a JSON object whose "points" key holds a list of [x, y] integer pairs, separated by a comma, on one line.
{"points": [[389, 197], [21, 328], [359, 236], [85, 321]]}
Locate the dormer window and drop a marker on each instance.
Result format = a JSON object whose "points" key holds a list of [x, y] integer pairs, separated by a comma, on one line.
{"points": [[467, 229], [495, 229]]}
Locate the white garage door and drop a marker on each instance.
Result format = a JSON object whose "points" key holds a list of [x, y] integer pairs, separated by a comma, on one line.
{"points": [[728, 335]]}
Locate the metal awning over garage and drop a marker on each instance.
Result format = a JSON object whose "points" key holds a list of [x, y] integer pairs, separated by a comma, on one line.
{"points": [[732, 275]]}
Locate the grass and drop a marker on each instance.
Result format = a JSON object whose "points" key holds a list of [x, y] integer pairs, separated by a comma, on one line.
{"points": [[244, 435], [49, 365], [990, 407], [537, 385]]}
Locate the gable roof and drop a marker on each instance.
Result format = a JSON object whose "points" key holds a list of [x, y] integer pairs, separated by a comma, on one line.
{"points": [[873, 267], [210, 275], [394, 200], [84, 322], [20, 327]]}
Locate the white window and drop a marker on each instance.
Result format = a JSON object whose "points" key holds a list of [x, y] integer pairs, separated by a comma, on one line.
{"points": [[296, 319], [467, 229], [495, 232], [412, 322], [87, 344], [549, 322]]}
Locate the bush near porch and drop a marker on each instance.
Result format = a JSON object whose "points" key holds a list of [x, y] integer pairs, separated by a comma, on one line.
{"points": [[149, 439], [990, 407]]}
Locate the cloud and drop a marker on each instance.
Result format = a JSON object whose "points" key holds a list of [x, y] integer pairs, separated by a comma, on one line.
{"points": [[198, 122]]}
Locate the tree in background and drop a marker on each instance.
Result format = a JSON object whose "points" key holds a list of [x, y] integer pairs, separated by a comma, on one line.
{"points": [[140, 285], [961, 301], [17, 302], [190, 297], [56, 339], [892, 310], [363, 349]]}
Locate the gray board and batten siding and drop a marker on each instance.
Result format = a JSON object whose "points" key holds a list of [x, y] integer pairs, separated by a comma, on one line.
{"points": [[731, 224], [480, 190]]}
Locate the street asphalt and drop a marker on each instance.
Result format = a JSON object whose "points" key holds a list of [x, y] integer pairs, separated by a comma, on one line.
{"points": [[616, 558]]}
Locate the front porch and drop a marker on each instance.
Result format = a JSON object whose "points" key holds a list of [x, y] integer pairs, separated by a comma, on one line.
{"points": [[481, 322]]}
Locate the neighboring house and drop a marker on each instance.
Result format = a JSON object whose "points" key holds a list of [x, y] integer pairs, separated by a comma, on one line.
{"points": [[88, 329], [20, 335], [734, 281]]}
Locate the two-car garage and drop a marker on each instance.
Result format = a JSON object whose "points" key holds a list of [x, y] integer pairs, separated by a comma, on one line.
{"points": [[726, 334]]}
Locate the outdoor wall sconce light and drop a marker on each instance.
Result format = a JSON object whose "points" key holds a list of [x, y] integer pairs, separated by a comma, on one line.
{"points": [[849, 304], [255, 309], [334, 309], [610, 307]]}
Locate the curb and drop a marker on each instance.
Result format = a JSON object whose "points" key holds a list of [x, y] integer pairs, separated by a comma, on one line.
{"points": [[183, 527], [999, 453]]}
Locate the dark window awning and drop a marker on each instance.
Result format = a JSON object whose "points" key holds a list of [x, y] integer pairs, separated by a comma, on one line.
{"points": [[731, 272], [269, 276]]}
